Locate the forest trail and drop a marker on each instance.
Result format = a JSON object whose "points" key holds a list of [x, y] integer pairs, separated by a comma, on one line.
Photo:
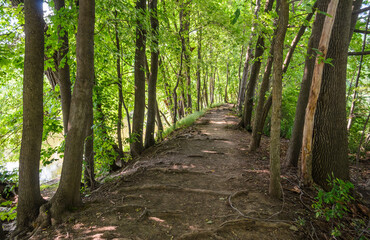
{"points": [[196, 184]]}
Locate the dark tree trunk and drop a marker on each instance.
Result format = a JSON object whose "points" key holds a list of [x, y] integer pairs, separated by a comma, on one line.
{"points": [[139, 106], [205, 94], [68, 192], [175, 92], [297, 133], [226, 99], [259, 121], [63, 69], [198, 69], [29, 197], [152, 95], [119, 79], [249, 56], [330, 141], [158, 120], [89, 173], [277, 88], [249, 95], [297, 38]]}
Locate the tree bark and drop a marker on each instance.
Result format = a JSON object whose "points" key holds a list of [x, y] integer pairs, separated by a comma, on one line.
{"points": [[277, 88], [306, 165], [63, 71], [297, 38], [68, 192], [198, 68], [159, 120], [89, 170], [139, 105], [295, 143], [330, 141], [119, 79], [152, 95], [251, 87], [29, 197], [226, 99], [248, 57], [259, 121]]}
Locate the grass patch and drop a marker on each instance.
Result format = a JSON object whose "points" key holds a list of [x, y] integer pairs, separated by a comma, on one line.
{"points": [[188, 120], [46, 186]]}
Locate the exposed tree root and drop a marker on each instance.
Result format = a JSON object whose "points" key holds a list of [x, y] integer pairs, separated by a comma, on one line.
{"points": [[173, 188]]}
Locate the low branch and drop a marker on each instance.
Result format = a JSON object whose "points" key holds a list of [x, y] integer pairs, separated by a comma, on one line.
{"points": [[358, 53], [361, 31], [361, 10]]}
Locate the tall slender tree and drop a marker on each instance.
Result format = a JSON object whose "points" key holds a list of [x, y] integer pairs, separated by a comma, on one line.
{"points": [[139, 105], [275, 186], [68, 192], [29, 197], [152, 86], [64, 79]]}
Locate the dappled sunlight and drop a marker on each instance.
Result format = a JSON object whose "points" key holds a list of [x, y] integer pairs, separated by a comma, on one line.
{"points": [[177, 167], [258, 171], [218, 122], [95, 229], [160, 221], [209, 151]]}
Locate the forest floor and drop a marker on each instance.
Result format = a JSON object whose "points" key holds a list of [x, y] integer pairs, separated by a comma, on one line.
{"points": [[199, 183]]}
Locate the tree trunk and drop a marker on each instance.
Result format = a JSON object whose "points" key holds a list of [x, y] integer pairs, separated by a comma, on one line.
{"points": [[139, 105], [29, 197], [275, 186], [248, 58], [159, 121], [295, 143], [68, 192], [89, 171], [258, 120], [119, 79], [226, 99], [152, 95], [249, 95], [330, 142], [306, 170], [297, 38], [205, 80], [63, 69], [198, 69]]}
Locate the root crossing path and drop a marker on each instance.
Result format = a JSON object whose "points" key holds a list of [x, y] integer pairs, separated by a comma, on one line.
{"points": [[200, 183]]}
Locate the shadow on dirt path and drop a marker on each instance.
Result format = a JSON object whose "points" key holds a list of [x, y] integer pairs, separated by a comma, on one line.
{"points": [[201, 183]]}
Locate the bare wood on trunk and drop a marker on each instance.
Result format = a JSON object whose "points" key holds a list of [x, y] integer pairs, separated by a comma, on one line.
{"points": [[306, 165]]}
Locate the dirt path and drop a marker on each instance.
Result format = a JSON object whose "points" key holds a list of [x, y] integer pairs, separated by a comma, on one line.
{"points": [[195, 185]]}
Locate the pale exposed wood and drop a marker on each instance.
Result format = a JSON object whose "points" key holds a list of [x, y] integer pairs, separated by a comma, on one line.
{"points": [[306, 164]]}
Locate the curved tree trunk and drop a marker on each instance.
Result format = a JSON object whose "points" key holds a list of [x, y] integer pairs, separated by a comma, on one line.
{"points": [[277, 89], [89, 170], [30, 200], [139, 105], [152, 95], [68, 192]]}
